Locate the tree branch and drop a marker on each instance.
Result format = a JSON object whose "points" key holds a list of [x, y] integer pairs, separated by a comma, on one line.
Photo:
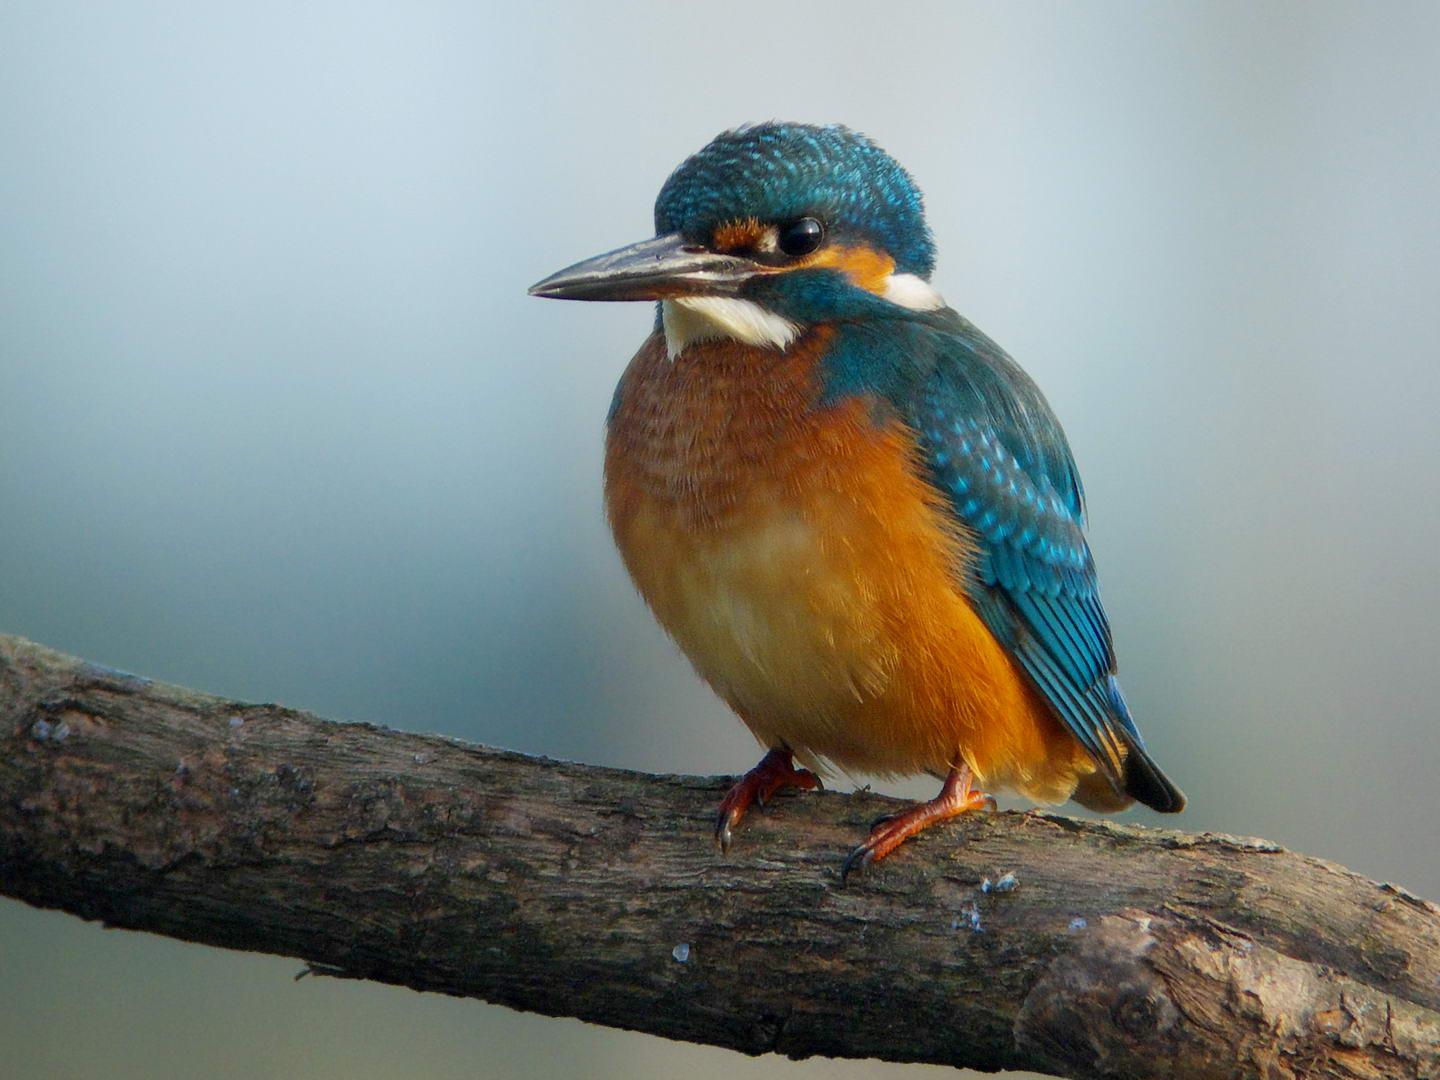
{"points": [[581, 891]]}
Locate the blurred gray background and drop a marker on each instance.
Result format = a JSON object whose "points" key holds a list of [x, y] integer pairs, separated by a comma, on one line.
{"points": [[278, 421]]}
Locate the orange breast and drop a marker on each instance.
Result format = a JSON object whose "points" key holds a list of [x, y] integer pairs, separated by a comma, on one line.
{"points": [[810, 573]]}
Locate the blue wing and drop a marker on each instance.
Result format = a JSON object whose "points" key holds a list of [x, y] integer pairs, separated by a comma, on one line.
{"points": [[993, 446]]}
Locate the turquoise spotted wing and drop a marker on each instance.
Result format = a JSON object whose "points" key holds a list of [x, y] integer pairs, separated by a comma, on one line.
{"points": [[994, 447]]}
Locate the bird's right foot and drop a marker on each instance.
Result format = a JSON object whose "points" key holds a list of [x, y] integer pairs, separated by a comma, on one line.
{"points": [[776, 770]]}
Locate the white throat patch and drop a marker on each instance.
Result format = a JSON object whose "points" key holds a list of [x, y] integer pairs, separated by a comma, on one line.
{"points": [[689, 319]]}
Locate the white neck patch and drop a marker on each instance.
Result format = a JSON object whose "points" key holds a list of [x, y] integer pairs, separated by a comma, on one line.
{"points": [[913, 292], [688, 319]]}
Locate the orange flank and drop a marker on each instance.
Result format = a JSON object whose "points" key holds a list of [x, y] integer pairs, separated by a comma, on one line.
{"points": [[812, 576]]}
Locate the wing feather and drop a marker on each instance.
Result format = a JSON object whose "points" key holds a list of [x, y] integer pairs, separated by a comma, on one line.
{"points": [[994, 447], [995, 450]]}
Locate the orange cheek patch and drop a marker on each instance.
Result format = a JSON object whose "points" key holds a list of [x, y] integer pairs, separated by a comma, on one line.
{"points": [[866, 267], [863, 266]]}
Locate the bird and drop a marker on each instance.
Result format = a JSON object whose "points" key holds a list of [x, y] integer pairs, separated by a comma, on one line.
{"points": [[857, 516]]}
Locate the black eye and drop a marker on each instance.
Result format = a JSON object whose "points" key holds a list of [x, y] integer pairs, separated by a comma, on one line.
{"points": [[801, 236]]}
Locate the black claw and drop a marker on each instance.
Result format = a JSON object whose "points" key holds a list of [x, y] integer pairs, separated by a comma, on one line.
{"points": [[859, 859], [722, 832], [882, 819]]}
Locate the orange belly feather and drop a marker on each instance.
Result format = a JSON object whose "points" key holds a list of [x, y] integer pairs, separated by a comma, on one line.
{"points": [[812, 576]]}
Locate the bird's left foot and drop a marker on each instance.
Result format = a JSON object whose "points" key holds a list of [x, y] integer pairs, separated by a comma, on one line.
{"points": [[776, 770], [955, 798]]}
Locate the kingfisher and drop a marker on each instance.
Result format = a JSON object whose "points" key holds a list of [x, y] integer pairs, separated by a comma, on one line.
{"points": [[854, 512]]}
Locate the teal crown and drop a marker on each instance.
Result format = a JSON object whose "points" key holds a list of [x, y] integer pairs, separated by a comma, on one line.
{"points": [[780, 172]]}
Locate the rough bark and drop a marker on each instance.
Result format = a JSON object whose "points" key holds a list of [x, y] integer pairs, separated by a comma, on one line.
{"points": [[573, 890]]}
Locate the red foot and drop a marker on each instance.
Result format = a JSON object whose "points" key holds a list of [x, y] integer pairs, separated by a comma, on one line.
{"points": [[776, 770], [955, 798]]}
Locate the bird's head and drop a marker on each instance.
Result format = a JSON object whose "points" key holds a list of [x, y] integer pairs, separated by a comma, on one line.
{"points": [[769, 229]]}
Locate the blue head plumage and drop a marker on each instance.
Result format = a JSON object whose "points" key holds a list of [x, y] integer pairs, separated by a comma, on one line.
{"points": [[778, 172]]}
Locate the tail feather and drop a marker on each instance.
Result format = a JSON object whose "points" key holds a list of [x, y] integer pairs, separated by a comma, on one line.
{"points": [[1144, 780], [1141, 777]]}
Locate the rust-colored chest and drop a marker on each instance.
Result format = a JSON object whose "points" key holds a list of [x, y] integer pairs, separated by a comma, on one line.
{"points": [[797, 554], [783, 543], [702, 436]]}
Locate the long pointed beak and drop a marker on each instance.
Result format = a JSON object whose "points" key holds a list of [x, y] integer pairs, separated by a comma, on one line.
{"points": [[655, 269]]}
